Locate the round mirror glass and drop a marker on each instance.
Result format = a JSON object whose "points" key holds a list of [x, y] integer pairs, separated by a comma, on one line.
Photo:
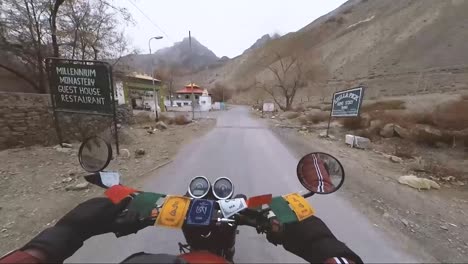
{"points": [[95, 154], [320, 173]]}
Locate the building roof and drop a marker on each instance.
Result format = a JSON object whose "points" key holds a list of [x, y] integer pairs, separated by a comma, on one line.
{"points": [[188, 90], [194, 85], [142, 76]]}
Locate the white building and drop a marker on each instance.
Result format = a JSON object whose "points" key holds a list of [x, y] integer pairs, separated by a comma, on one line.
{"points": [[182, 100]]}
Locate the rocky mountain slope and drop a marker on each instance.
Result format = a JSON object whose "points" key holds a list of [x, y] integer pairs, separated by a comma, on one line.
{"points": [[393, 47], [179, 55]]}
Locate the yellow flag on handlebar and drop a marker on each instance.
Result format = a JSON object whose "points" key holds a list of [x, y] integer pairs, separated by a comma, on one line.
{"points": [[173, 211], [300, 206]]}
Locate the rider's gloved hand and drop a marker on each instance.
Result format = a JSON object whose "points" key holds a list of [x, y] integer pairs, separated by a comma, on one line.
{"points": [[93, 217], [311, 240]]}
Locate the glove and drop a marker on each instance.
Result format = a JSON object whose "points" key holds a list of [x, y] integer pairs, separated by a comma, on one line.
{"points": [[311, 240], [93, 217]]}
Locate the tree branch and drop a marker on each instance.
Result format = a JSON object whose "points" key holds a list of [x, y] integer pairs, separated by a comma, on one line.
{"points": [[22, 76]]}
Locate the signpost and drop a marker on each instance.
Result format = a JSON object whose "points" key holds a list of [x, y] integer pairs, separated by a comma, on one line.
{"points": [[346, 103], [83, 87], [268, 107]]}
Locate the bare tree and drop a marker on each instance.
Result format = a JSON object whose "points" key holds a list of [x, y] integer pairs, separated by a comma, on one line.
{"points": [[31, 30], [287, 80], [220, 93], [167, 72]]}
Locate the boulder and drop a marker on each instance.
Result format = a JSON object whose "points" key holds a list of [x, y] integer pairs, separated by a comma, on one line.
{"points": [[124, 154], [358, 142], [387, 131], [418, 183], [427, 132], [395, 159], [78, 187], [160, 125], [66, 145], [401, 131], [418, 164], [375, 125], [140, 152]]}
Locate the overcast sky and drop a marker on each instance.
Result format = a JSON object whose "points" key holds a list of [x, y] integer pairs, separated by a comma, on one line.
{"points": [[225, 27]]}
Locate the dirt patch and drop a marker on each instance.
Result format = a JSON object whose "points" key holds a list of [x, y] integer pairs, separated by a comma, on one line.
{"points": [[430, 224], [34, 180]]}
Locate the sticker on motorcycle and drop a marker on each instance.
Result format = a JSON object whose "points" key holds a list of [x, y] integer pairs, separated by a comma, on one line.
{"points": [[282, 211], [200, 212], [173, 212], [258, 201], [229, 207], [300, 206], [110, 178]]}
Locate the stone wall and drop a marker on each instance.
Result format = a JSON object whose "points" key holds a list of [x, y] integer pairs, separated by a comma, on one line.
{"points": [[27, 119]]}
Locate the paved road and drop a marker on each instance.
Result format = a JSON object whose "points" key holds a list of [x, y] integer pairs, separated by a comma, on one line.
{"points": [[243, 149]]}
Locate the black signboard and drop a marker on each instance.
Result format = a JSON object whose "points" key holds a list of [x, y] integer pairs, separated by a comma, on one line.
{"points": [[347, 103], [81, 87]]}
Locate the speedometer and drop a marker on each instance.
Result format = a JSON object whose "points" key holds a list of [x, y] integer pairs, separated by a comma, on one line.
{"points": [[223, 188], [199, 187]]}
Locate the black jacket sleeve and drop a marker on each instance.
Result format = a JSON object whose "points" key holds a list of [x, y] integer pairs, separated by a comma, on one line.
{"points": [[313, 241]]}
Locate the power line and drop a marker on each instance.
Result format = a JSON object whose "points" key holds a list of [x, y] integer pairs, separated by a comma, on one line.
{"points": [[150, 20]]}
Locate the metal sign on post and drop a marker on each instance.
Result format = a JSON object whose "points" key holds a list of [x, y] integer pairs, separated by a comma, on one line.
{"points": [[83, 87], [346, 103], [268, 107]]}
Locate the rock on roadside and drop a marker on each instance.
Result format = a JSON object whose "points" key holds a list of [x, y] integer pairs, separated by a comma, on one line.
{"points": [[160, 125], [139, 152], [387, 131], [77, 187]]}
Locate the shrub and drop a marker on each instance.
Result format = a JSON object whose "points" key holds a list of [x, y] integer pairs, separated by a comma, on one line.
{"points": [[405, 151], [299, 108], [352, 123], [292, 115], [142, 117], [166, 119], [384, 105], [181, 120], [452, 115], [316, 118], [303, 120]]}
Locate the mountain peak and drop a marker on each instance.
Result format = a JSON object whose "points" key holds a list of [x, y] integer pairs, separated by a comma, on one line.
{"points": [[179, 55], [262, 41]]}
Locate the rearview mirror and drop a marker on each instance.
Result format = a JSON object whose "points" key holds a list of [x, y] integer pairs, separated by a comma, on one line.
{"points": [[94, 154], [320, 173]]}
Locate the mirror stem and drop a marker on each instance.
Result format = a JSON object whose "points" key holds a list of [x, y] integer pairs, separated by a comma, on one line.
{"points": [[307, 195]]}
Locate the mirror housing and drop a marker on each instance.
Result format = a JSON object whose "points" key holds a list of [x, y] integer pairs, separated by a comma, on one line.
{"points": [[320, 173], [94, 154]]}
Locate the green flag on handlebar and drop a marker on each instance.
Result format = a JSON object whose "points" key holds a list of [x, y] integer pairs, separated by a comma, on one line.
{"points": [[144, 203], [281, 208]]}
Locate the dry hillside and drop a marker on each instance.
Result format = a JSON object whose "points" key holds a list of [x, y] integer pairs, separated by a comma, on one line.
{"points": [[394, 47]]}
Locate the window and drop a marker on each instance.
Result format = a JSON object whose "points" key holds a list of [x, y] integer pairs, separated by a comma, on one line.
{"points": [[167, 97], [203, 102], [196, 97], [185, 103], [179, 104], [187, 96]]}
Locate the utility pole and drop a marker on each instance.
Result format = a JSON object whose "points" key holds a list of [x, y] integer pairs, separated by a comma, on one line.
{"points": [[155, 95], [191, 75]]}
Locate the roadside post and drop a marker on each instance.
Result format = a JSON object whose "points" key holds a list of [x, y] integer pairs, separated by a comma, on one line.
{"points": [[346, 103], [268, 107], [81, 87]]}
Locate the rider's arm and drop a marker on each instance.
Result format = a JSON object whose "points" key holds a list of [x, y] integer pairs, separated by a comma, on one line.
{"points": [[57, 243], [313, 241], [26, 256]]}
